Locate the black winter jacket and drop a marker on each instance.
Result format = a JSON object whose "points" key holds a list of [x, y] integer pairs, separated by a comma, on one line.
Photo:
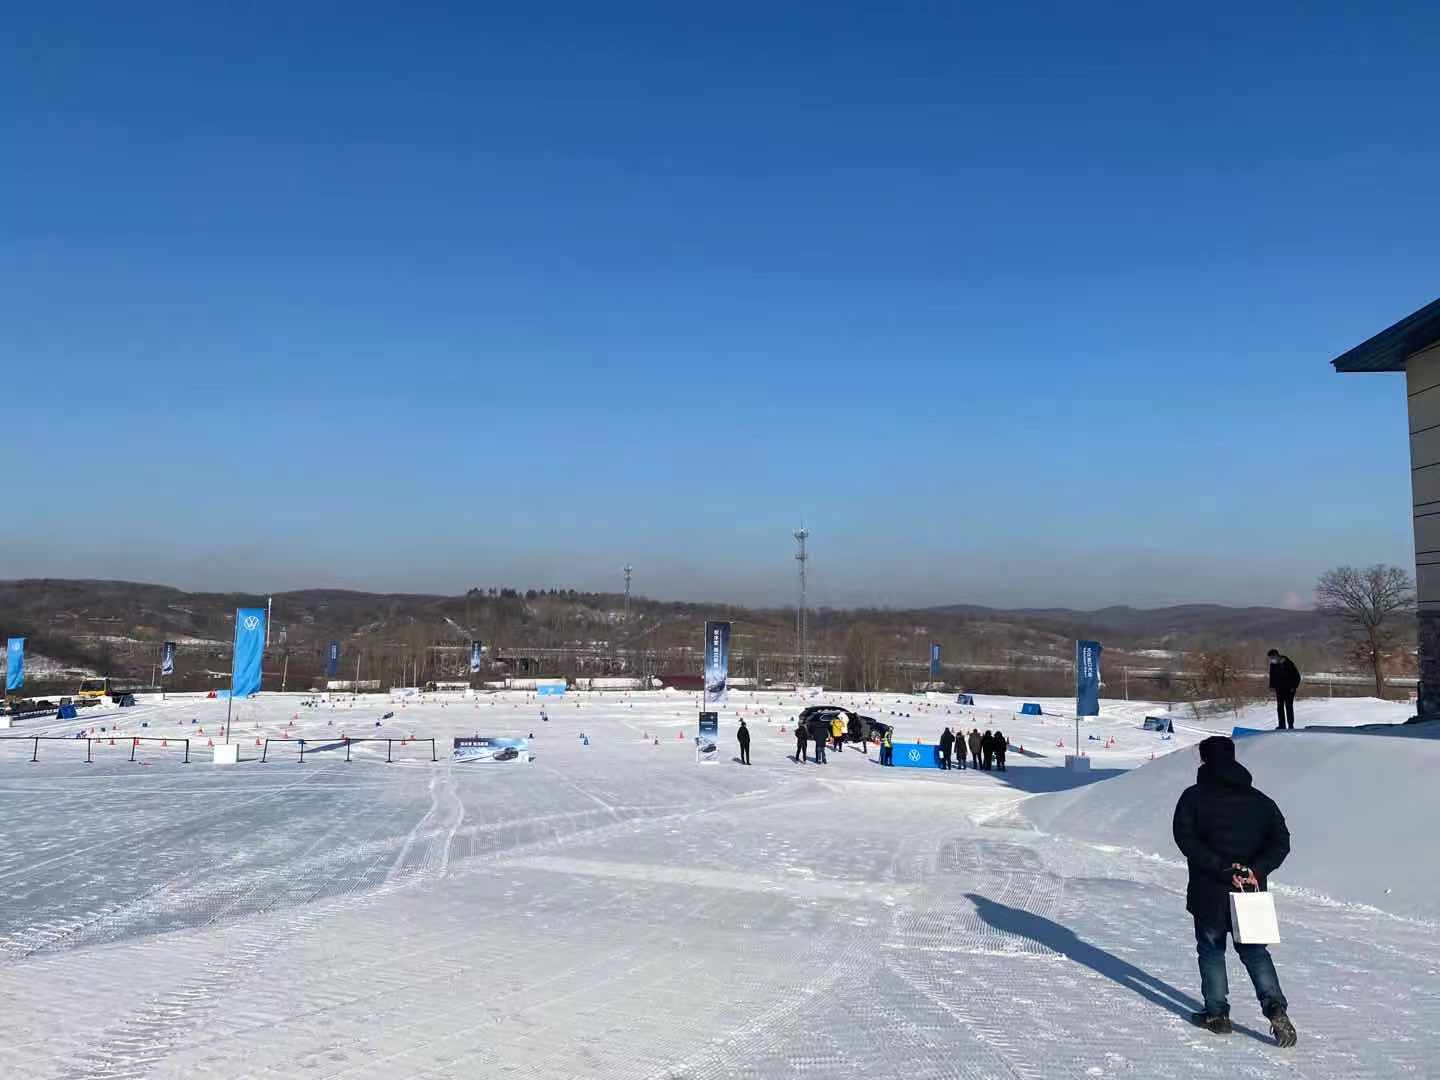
{"points": [[1223, 820], [947, 740], [1284, 676], [742, 735]]}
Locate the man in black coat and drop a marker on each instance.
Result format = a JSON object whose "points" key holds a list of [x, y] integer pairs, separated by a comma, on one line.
{"points": [[947, 745], [819, 734], [1232, 836], [743, 738], [1284, 680], [801, 738]]}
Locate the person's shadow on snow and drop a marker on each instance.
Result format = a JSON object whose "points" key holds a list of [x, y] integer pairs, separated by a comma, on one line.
{"points": [[1062, 940]]}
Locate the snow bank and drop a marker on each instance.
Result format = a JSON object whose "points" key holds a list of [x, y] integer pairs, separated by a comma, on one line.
{"points": [[1359, 810]]}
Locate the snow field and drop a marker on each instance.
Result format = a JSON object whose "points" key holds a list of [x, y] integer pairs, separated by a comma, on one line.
{"points": [[615, 910]]}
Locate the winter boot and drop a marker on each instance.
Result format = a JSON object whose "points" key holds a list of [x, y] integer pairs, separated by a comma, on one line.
{"points": [[1216, 1025], [1282, 1028]]}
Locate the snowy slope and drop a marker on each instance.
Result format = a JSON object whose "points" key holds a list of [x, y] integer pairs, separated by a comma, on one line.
{"points": [[1358, 808]]}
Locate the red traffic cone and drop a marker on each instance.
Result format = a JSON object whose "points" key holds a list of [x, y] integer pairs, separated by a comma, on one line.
{"points": [[680, 735], [257, 742], [164, 742], [209, 742]]}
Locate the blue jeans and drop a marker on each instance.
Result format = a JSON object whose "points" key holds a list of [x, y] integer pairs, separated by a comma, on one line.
{"points": [[1215, 983]]}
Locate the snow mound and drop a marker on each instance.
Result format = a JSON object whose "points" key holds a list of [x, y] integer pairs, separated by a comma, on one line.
{"points": [[1358, 808]]}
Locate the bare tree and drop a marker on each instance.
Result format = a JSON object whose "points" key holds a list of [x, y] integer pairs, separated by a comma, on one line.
{"points": [[1368, 601], [1220, 676]]}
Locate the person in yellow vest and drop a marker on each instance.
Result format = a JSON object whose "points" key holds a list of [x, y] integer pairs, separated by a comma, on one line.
{"points": [[887, 748], [837, 731]]}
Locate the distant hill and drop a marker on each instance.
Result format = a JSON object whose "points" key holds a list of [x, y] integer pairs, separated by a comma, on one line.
{"points": [[116, 627], [1182, 623]]}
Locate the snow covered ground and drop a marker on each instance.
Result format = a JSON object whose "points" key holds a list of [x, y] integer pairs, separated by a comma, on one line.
{"points": [[615, 910]]}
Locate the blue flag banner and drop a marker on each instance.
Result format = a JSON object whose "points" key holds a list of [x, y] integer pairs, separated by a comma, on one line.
{"points": [[332, 660], [717, 661], [167, 658], [14, 664], [1087, 678], [249, 651], [477, 649], [934, 661]]}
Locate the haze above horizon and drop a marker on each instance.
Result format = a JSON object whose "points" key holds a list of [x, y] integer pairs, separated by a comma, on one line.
{"points": [[1019, 308]]}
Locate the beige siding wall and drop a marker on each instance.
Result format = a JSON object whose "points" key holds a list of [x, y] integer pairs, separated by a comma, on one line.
{"points": [[1422, 377]]}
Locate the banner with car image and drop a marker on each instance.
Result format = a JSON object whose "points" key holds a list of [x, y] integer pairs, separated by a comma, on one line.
{"points": [[491, 748], [717, 662]]}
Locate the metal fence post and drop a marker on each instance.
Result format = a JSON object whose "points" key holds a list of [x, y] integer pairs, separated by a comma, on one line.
{"points": [[87, 752], [387, 750], [187, 753], [36, 755]]}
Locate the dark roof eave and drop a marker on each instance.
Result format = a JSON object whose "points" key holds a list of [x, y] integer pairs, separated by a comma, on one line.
{"points": [[1389, 349]]}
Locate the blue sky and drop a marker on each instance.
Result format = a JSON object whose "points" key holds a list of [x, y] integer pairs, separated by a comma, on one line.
{"points": [[1016, 307]]}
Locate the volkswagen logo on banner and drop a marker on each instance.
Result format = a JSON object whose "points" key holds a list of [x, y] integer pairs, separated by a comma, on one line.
{"points": [[251, 623], [914, 755]]}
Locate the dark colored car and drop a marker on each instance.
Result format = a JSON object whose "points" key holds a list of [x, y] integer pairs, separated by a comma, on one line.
{"points": [[870, 728]]}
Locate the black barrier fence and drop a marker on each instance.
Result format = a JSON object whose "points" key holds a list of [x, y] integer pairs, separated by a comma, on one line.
{"points": [[133, 740], [314, 746]]}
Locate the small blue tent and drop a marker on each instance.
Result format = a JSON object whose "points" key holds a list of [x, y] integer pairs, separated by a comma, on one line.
{"points": [[67, 712], [965, 699], [1030, 709]]}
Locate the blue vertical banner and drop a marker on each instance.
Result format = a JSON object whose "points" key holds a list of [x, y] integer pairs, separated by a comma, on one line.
{"points": [[249, 651], [477, 650], [14, 664], [717, 661], [934, 661], [167, 658], [1087, 678], [332, 660]]}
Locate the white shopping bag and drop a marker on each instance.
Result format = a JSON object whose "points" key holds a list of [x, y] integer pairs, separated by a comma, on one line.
{"points": [[1252, 919]]}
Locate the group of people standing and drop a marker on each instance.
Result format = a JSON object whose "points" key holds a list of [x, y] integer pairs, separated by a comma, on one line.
{"points": [[987, 751], [826, 733]]}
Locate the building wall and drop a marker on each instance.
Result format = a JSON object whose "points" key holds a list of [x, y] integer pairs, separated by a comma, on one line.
{"points": [[1422, 378]]}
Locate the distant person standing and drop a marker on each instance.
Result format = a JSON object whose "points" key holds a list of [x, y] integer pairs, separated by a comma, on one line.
{"points": [[1232, 836], [800, 740], [987, 751], [974, 744], [887, 748], [818, 735], [1002, 744], [743, 738], [947, 746], [1284, 680], [837, 733]]}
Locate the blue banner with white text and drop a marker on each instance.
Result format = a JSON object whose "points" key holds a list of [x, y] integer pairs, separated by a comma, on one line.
{"points": [[934, 661], [1087, 678], [332, 660], [717, 661], [477, 650], [14, 664], [167, 658], [249, 651]]}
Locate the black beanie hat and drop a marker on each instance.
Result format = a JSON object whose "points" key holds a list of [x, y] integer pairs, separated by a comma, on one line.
{"points": [[1217, 750]]}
